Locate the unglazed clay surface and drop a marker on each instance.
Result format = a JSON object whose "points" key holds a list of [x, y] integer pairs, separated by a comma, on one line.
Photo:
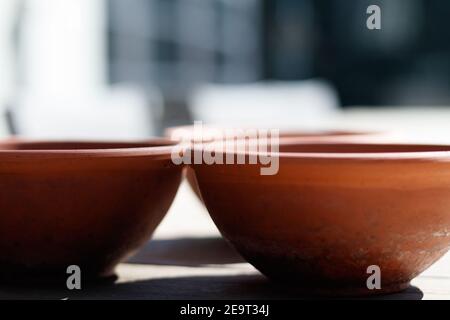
{"points": [[334, 210], [90, 204], [188, 133]]}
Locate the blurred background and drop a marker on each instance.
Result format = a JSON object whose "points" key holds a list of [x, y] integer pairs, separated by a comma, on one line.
{"points": [[129, 69]]}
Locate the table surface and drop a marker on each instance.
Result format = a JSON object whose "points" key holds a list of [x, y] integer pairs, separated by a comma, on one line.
{"points": [[187, 259]]}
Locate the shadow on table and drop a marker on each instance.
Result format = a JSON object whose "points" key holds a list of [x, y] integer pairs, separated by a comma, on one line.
{"points": [[186, 252], [192, 252], [219, 287], [233, 287]]}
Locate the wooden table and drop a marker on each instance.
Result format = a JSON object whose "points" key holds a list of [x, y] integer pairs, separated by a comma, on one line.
{"points": [[187, 259]]}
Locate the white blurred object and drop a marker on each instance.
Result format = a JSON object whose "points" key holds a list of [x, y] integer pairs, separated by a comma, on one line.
{"points": [[8, 11], [64, 92], [418, 124], [121, 113], [301, 104], [8, 77], [63, 47], [4, 132]]}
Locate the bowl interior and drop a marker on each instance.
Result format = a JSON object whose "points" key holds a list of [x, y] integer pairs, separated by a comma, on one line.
{"points": [[208, 133], [359, 148], [322, 134], [78, 145]]}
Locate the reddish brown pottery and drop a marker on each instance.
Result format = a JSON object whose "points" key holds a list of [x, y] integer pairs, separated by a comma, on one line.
{"points": [[186, 133], [90, 204], [333, 210]]}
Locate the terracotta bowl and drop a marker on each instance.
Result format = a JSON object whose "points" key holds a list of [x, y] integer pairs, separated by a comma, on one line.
{"points": [[333, 210], [90, 204], [186, 133]]}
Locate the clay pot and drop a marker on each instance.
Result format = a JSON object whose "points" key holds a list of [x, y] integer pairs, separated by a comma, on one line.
{"points": [[333, 210], [186, 133], [90, 204]]}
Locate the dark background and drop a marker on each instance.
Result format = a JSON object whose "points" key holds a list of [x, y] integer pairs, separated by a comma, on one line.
{"points": [[179, 43]]}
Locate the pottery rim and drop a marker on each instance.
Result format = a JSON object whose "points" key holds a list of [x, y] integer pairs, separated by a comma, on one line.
{"points": [[284, 133], [23, 148], [386, 151]]}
